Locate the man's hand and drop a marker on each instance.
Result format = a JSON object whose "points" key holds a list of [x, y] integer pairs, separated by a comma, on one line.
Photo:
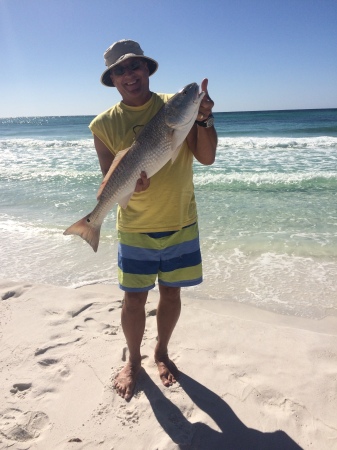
{"points": [[202, 141], [142, 183], [206, 104]]}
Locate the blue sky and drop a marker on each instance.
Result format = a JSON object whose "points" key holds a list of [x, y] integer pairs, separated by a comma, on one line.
{"points": [[257, 54]]}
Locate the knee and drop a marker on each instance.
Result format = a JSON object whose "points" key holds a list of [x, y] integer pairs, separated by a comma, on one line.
{"points": [[170, 294], [134, 301]]}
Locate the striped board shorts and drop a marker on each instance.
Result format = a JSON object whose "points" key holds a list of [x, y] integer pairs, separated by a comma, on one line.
{"points": [[173, 256]]}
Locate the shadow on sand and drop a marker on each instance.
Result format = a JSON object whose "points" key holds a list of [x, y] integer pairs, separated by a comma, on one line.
{"points": [[234, 435]]}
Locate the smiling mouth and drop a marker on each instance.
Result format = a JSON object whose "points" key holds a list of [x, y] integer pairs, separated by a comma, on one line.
{"points": [[131, 83]]}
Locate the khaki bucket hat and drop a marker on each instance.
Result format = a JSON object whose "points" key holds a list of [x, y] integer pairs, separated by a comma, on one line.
{"points": [[120, 51]]}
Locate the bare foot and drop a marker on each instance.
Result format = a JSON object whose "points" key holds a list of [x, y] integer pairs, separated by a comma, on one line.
{"points": [[125, 381], [168, 371]]}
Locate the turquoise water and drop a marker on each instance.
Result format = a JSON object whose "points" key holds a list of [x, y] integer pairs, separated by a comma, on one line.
{"points": [[267, 208]]}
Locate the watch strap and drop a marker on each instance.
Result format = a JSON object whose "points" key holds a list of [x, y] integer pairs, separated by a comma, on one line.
{"points": [[207, 123]]}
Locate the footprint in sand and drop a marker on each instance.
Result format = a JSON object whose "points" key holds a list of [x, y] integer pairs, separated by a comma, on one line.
{"points": [[41, 351], [20, 387], [128, 417], [8, 295], [14, 293], [56, 366], [151, 313], [48, 362], [79, 311], [17, 425], [90, 324]]}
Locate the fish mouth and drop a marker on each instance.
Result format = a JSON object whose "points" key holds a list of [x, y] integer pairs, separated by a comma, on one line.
{"points": [[202, 94], [199, 96]]}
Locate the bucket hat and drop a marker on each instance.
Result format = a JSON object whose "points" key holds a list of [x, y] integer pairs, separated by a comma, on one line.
{"points": [[120, 51]]}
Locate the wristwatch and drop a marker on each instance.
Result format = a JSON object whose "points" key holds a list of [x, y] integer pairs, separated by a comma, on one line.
{"points": [[209, 122]]}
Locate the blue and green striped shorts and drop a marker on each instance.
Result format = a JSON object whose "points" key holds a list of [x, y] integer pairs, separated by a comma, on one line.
{"points": [[173, 256]]}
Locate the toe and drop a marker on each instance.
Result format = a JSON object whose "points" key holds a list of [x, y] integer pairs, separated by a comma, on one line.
{"points": [[128, 394], [172, 379], [165, 381]]}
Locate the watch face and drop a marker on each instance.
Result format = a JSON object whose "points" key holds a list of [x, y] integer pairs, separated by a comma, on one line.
{"points": [[210, 122], [206, 123]]}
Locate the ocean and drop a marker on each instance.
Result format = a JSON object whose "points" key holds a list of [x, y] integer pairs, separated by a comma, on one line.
{"points": [[267, 209]]}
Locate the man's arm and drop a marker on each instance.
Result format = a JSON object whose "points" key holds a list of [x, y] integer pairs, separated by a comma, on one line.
{"points": [[203, 141], [105, 158]]}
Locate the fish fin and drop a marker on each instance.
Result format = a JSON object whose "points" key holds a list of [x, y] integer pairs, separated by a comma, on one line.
{"points": [[123, 202], [175, 154], [118, 158], [87, 232]]}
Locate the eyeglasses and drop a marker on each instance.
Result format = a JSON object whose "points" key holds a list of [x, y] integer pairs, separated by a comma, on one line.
{"points": [[120, 70]]}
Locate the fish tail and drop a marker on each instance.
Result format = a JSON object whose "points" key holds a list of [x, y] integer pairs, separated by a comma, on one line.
{"points": [[87, 231]]}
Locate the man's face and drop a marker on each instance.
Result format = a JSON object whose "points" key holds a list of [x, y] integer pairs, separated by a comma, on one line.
{"points": [[131, 78]]}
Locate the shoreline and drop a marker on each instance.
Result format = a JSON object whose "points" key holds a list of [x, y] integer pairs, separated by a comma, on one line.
{"points": [[327, 324], [249, 378]]}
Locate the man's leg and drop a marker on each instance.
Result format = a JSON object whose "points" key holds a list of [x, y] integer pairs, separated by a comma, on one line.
{"points": [[168, 313], [133, 324]]}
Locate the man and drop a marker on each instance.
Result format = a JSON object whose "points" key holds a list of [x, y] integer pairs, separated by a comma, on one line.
{"points": [[158, 232]]}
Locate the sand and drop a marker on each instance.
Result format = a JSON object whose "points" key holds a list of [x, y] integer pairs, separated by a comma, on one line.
{"points": [[249, 379]]}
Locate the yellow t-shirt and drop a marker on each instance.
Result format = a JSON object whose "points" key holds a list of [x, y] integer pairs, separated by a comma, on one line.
{"points": [[169, 203]]}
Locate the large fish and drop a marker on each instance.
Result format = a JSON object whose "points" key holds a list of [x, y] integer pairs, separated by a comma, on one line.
{"points": [[158, 142]]}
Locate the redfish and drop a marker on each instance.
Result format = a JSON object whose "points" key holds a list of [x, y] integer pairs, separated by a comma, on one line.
{"points": [[158, 142]]}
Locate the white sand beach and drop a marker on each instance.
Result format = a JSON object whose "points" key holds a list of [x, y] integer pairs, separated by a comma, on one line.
{"points": [[249, 379]]}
